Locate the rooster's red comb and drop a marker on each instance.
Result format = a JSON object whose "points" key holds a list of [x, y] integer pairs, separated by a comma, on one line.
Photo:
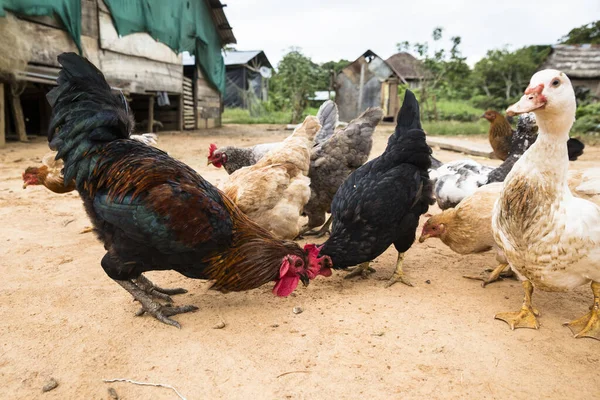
{"points": [[211, 149]]}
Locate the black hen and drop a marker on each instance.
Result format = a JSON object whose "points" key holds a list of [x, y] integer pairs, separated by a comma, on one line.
{"points": [[153, 212], [380, 203]]}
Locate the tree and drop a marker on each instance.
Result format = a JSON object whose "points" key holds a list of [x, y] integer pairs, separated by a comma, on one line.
{"points": [[296, 80], [503, 74], [329, 70], [589, 33], [446, 72]]}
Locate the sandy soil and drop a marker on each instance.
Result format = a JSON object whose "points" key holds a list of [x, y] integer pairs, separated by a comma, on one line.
{"points": [[62, 317]]}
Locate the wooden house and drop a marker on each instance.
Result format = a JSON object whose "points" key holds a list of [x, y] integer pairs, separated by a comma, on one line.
{"points": [[149, 70], [370, 81], [580, 62]]}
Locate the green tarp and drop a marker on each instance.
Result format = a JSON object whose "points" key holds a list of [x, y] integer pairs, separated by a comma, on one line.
{"points": [[183, 25], [69, 12]]}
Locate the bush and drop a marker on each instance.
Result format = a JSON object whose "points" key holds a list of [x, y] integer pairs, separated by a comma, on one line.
{"points": [[455, 128], [454, 111], [588, 119]]}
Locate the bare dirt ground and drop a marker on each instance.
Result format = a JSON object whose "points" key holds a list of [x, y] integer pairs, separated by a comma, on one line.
{"points": [[62, 317]]}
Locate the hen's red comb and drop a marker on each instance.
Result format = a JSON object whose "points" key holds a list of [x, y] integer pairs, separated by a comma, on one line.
{"points": [[211, 149]]}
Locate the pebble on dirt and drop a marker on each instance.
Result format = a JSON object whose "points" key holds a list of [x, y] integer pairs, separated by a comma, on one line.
{"points": [[297, 310], [51, 385]]}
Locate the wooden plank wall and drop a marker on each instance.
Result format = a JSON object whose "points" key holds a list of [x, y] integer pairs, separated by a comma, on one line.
{"points": [[208, 103]]}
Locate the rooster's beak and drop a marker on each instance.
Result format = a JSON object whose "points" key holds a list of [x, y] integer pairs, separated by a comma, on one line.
{"points": [[304, 279], [424, 238], [208, 162], [24, 185], [532, 100]]}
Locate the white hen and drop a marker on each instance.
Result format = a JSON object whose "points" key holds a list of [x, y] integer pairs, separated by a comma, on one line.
{"points": [[550, 238]]}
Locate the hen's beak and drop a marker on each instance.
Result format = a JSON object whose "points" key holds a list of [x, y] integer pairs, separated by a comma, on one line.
{"points": [[532, 100], [209, 162], [424, 237], [304, 279], [24, 185], [482, 116]]}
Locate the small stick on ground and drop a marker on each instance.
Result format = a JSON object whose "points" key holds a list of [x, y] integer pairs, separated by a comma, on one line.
{"points": [[164, 385], [293, 372]]}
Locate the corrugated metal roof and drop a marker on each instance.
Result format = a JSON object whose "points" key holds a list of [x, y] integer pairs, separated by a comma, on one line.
{"points": [[239, 57], [221, 23], [577, 61]]}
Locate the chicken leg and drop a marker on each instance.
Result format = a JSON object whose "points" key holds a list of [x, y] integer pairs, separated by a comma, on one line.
{"points": [[495, 275], [157, 310], [589, 324], [306, 231], [398, 275], [363, 270], [152, 290], [526, 317], [321, 232]]}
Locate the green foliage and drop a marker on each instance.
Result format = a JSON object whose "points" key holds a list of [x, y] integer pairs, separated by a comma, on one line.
{"points": [[588, 33], [296, 80], [329, 70], [455, 110], [503, 74], [447, 73], [241, 116], [588, 119], [456, 128]]}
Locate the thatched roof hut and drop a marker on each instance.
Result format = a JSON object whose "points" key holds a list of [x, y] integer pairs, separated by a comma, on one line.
{"points": [[580, 62]]}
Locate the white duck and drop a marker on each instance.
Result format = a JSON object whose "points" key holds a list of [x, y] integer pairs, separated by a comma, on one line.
{"points": [[550, 238]]}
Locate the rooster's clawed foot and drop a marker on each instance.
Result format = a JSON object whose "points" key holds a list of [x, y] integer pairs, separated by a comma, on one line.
{"points": [[160, 293]]}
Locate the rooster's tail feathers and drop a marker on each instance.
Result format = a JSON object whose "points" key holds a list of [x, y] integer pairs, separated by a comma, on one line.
{"points": [[85, 114]]}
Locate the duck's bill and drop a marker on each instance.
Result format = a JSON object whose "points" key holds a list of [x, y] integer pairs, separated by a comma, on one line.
{"points": [[528, 103]]}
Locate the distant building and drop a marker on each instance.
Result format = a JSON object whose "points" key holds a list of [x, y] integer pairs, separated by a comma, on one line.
{"points": [[133, 48], [370, 81], [580, 62], [247, 76]]}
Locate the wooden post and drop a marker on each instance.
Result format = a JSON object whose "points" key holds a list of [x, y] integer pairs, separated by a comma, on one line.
{"points": [[181, 116], [17, 111], [360, 89], [150, 114], [2, 119]]}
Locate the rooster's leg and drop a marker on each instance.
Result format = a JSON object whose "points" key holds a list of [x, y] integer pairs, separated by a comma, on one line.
{"points": [[526, 317], [494, 276], [363, 270], [151, 289], [398, 275], [321, 232], [589, 324], [157, 310]]}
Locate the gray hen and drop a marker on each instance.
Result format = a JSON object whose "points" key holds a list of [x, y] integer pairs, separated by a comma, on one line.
{"points": [[334, 160], [233, 158]]}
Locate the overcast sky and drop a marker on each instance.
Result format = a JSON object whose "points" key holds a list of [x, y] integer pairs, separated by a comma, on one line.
{"points": [[334, 29]]}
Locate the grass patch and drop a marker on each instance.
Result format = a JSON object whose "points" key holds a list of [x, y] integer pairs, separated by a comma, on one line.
{"points": [[241, 116], [455, 128], [445, 128]]}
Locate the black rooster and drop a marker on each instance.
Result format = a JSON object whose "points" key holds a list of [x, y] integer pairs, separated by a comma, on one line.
{"points": [[380, 203], [153, 212]]}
